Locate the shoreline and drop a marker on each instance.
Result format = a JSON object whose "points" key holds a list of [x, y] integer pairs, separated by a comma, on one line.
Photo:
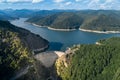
{"points": [[95, 31], [33, 24], [50, 27], [85, 30], [43, 49], [60, 29]]}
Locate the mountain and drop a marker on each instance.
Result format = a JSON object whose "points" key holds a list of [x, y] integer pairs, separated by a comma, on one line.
{"points": [[13, 55], [85, 62], [16, 46], [63, 20], [42, 13], [29, 39], [24, 13], [4, 16], [101, 20], [99, 61], [10, 14]]}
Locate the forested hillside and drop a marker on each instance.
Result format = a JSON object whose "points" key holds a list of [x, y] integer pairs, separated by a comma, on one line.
{"points": [[64, 20], [16, 46], [101, 20], [30, 40], [13, 55], [92, 62]]}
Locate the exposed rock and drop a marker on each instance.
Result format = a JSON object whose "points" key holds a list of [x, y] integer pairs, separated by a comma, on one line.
{"points": [[48, 58]]}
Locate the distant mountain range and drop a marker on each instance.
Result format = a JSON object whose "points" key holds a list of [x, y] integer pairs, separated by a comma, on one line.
{"points": [[10, 14], [101, 20], [4, 16], [16, 46]]}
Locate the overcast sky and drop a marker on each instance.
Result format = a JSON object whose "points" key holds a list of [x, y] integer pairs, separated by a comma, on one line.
{"points": [[60, 4]]}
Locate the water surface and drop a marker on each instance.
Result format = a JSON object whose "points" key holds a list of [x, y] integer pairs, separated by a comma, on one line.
{"points": [[60, 40]]}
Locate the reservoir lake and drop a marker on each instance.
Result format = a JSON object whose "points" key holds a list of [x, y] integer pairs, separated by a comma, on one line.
{"points": [[61, 40]]}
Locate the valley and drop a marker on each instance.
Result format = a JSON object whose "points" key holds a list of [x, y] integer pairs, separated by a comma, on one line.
{"points": [[59, 44]]}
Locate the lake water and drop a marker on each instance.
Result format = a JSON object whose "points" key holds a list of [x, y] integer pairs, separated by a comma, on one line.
{"points": [[60, 40]]}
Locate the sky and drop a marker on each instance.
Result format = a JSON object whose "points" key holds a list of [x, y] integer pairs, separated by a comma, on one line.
{"points": [[60, 4]]}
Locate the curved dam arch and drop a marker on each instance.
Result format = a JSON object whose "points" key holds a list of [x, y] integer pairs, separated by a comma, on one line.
{"points": [[48, 58]]}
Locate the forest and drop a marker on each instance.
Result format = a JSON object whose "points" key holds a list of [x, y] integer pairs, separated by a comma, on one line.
{"points": [[101, 20], [13, 55], [94, 62], [16, 47]]}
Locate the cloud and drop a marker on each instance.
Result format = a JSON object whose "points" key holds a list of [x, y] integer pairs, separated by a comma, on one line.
{"points": [[97, 4], [58, 1], [1, 0], [109, 1], [15, 1], [20, 1], [37, 1], [65, 4], [78, 0], [103, 4], [68, 3]]}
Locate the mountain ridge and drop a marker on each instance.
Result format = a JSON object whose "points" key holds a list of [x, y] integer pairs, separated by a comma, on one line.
{"points": [[86, 19]]}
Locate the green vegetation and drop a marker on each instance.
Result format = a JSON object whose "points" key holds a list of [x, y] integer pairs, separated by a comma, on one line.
{"points": [[63, 20], [16, 45], [13, 55], [102, 23], [93, 62], [4, 16], [30, 40], [101, 20], [10, 14]]}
